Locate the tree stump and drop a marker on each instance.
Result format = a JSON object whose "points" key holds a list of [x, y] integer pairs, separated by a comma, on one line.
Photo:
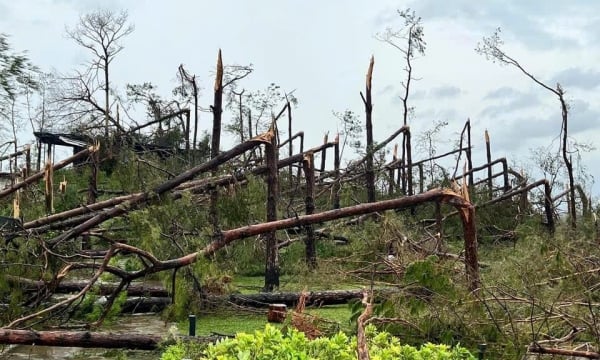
{"points": [[277, 313]]}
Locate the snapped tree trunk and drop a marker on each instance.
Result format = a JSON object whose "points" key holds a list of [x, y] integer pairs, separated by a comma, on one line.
{"points": [[217, 111], [309, 174], [272, 261], [370, 172]]}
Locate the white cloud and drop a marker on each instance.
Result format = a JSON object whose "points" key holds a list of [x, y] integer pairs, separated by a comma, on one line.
{"points": [[586, 79]]}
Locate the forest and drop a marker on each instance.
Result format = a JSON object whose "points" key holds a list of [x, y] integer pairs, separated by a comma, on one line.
{"points": [[380, 253]]}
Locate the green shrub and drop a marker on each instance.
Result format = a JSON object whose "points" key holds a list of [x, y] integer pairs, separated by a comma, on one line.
{"points": [[273, 344]]}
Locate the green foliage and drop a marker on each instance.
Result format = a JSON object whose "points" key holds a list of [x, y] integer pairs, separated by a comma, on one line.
{"points": [[272, 343], [91, 308]]}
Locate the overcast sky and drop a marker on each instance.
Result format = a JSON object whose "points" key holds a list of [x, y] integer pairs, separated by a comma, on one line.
{"points": [[321, 49]]}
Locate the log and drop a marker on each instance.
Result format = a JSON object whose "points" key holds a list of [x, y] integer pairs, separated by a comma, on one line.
{"points": [[156, 295], [71, 286], [87, 339], [325, 297], [563, 352]]}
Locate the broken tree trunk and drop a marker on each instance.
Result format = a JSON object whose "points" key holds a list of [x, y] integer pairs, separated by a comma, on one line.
{"points": [[369, 172], [92, 194], [147, 196], [217, 110], [309, 174], [229, 236], [290, 137], [409, 177], [324, 153], [488, 153], [196, 186], [469, 161], [336, 168], [83, 339], [40, 175], [362, 346], [272, 256]]}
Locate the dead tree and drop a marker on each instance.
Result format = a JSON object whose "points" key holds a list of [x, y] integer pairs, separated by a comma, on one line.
{"points": [[92, 193], [491, 49], [272, 261], [369, 172], [217, 110], [488, 154], [309, 174], [336, 168], [191, 79]]}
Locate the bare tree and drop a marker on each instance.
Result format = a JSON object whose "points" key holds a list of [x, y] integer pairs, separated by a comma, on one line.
{"points": [[100, 32], [491, 49], [189, 81]]}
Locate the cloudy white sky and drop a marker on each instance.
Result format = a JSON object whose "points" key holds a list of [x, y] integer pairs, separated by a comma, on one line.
{"points": [[321, 49]]}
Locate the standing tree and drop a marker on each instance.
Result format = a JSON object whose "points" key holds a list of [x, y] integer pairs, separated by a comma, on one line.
{"points": [[100, 32], [491, 49], [410, 42], [16, 79]]}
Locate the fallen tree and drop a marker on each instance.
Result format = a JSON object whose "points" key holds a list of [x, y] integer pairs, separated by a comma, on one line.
{"points": [[87, 339]]}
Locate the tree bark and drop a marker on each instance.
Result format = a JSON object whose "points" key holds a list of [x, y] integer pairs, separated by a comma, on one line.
{"points": [[92, 190], [563, 352], [87, 339], [70, 286], [370, 172], [488, 153], [272, 258], [309, 174], [469, 161], [317, 298], [567, 158], [217, 111], [324, 153]]}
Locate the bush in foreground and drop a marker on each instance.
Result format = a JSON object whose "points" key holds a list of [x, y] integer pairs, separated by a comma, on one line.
{"points": [[271, 343]]}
